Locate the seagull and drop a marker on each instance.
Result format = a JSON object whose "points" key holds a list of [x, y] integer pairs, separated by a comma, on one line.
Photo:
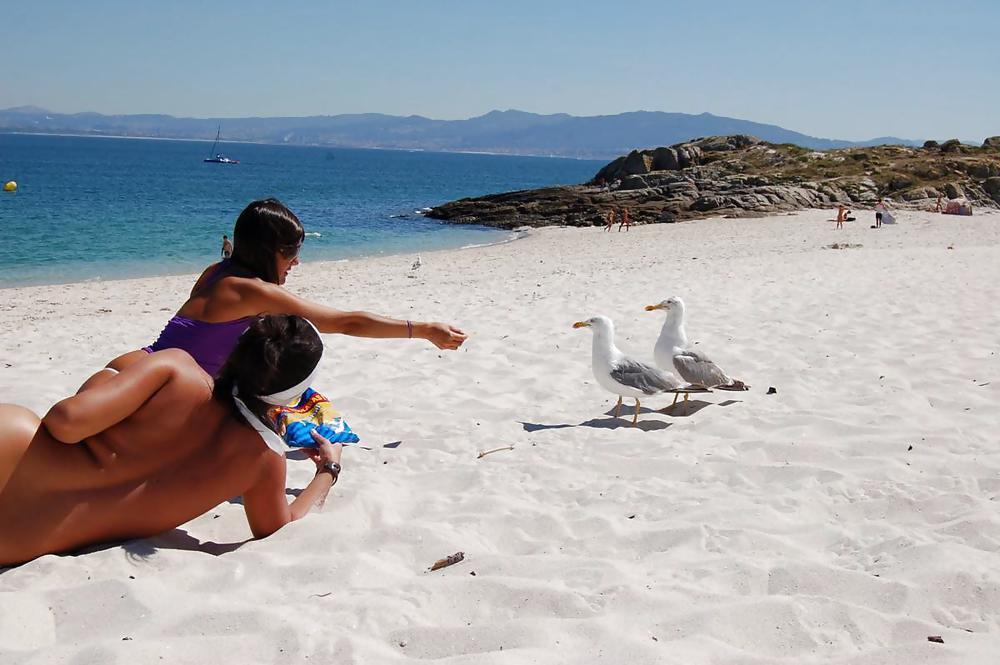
{"points": [[417, 263], [671, 351], [619, 374]]}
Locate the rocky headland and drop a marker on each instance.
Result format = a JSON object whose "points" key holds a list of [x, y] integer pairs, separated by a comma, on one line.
{"points": [[742, 176]]}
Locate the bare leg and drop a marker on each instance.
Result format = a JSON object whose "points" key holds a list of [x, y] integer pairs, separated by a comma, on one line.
{"points": [[618, 407], [635, 419], [17, 427]]}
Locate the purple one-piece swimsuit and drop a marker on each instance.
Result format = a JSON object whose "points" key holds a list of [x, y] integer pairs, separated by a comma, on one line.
{"points": [[208, 343]]}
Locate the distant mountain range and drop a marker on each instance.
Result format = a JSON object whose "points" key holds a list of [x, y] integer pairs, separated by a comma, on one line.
{"points": [[508, 132]]}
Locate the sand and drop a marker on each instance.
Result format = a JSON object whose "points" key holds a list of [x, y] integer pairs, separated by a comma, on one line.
{"points": [[843, 519]]}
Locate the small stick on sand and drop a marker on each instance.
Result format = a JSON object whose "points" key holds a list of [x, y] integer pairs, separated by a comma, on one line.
{"points": [[448, 561], [484, 453]]}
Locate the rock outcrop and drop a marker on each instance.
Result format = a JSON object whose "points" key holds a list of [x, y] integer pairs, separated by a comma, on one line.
{"points": [[742, 176]]}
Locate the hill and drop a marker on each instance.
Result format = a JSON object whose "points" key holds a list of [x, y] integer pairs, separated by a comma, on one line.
{"points": [[505, 132]]}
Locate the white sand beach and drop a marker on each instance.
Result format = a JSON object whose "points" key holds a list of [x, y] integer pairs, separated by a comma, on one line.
{"points": [[843, 519]]}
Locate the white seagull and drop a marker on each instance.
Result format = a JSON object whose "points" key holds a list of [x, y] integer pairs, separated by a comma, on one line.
{"points": [[672, 351], [619, 374]]}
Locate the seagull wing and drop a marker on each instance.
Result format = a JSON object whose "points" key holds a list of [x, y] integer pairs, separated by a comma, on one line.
{"points": [[641, 376], [697, 369]]}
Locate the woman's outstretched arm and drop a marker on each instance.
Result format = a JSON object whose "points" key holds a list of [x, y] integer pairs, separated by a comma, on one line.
{"points": [[272, 299]]}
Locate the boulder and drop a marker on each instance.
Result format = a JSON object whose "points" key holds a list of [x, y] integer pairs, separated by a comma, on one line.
{"points": [[954, 191], [665, 159], [931, 145], [920, 193], [992, 142], [951, 145], [992, 187], [725, 143], [981, 169], [636, 163], [898, 182]]}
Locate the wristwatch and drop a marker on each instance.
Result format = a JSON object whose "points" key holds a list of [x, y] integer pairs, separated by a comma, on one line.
{"points": [[333, 468]]}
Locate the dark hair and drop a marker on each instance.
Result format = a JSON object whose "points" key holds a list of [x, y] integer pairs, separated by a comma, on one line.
{"points": [[262, 229], [276, 352]]}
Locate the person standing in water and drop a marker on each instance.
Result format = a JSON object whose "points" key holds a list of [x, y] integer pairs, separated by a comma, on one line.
{"points": [[227, 247]]}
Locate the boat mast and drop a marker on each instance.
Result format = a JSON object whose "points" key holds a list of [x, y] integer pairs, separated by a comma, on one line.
{"points": [[218, 133]]}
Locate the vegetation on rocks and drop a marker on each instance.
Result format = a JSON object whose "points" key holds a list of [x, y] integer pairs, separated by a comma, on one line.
{"points": [[742, 176]]}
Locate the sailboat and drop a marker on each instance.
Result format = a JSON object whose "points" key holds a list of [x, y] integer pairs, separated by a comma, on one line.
{"points": [[218, 157]]}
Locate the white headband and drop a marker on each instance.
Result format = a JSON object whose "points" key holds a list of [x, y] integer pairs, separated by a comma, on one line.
{"points": [[281, 398]]}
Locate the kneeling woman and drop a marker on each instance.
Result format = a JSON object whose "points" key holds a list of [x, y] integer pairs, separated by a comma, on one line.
{"points": [[137, 453]]}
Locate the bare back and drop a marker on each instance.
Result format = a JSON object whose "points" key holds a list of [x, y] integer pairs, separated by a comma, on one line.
{"points": [[174, 457], [217, 297]]}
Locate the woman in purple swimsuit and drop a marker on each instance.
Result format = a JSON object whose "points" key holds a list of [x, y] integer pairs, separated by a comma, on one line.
{"points": [[229, 294]]}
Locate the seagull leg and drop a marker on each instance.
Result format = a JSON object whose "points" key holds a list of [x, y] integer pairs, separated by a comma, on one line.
{"points": [[672, 404], [686, 395], [618, 407], [635, 418]]}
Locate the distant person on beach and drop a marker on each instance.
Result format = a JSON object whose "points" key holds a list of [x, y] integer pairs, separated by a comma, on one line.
{"points": [[840, 216], [938, 207], [879, 209], [140, 452], [611, 220], [227, 247], [624, 220], [228, 294]]}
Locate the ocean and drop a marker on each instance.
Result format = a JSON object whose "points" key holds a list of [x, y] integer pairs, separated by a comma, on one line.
{"points": [[90, 208]]}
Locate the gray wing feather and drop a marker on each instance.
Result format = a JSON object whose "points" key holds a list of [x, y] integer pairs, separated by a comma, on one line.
{"points": [[641, 376], [697, 369]]}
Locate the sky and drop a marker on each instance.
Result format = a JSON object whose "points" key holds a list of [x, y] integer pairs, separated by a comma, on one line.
{"points": [[847, 70]]}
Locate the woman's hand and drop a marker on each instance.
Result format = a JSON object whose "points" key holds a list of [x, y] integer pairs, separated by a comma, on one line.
{"points": [[325, 451], [442, 335]]}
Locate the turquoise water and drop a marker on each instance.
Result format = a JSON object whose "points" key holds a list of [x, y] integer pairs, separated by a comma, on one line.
{"points": [[101, 208]]}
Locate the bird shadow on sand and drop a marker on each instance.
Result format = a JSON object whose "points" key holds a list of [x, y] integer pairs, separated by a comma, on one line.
{"points": [[625, 420], [605, 423], [679, 410]]}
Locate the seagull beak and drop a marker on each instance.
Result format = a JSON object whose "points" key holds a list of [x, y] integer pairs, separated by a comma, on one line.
{"points": [[653, 308], [581, 324]]}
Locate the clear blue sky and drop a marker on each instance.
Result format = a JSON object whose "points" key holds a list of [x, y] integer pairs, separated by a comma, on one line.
{"points": [[850, 70]]}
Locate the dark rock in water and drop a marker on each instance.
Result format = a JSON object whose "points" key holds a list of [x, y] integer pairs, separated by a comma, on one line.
{"points": [[741, 176]]}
